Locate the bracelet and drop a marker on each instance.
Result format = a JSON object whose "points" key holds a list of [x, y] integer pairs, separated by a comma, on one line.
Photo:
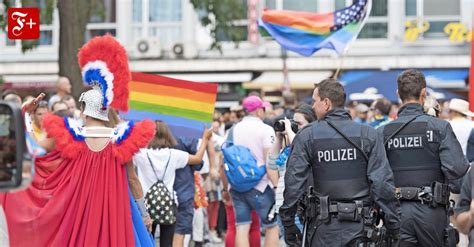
{"points": [[141, 207]]}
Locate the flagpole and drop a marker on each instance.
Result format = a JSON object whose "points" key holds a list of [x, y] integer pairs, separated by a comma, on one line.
{"points": [[338, 70], [286, 80], [284, 55]]}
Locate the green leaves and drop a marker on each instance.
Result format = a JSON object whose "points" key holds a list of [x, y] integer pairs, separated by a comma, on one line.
{"points": [[220, 17]]}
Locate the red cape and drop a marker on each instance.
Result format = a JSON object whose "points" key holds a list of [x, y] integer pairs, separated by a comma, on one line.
{"points": [[78, 197]]}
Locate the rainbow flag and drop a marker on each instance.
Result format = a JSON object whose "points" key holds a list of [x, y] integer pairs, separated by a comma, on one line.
{"points": [[305, 33], [187, 107]]}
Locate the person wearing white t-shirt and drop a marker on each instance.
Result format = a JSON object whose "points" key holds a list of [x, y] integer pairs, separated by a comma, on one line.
{"points": [[255, 135], [462, 126], [164, 162], [460, 121]]}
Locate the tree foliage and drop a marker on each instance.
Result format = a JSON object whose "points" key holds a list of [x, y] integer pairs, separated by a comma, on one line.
{"points": [[219, 17], [3, 16]]}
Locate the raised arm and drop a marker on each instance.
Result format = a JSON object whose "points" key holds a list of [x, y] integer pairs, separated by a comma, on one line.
{"points": [[196, 159], [28, 109]]}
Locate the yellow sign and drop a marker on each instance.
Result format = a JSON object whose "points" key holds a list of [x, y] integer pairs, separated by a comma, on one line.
{"points": [[457, 32], [414, 29]]}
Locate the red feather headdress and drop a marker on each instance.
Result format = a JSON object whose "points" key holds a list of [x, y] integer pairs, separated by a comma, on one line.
{"points": [[104, 63]]}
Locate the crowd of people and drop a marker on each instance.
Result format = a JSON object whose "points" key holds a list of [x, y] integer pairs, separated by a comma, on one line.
{"points": [[193, 170]]}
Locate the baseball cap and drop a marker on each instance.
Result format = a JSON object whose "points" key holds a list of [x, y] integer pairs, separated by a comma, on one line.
{"points": [[252, 103]]}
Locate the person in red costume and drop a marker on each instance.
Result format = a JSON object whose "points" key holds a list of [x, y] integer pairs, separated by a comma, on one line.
{"points": [[79, 195]]}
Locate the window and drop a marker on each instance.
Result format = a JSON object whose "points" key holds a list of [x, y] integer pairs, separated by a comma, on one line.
{"points": [[103, 11], [438, 13], [270, 4], [164, 18], [339, 4], [158, 18], [46, 30], [103, 19], [164, 10], [91, 33], [46, 37], [240, 28], [376, 26], [9, 42], [301, 5], [137, 11], [296, 5], [168, 34]]}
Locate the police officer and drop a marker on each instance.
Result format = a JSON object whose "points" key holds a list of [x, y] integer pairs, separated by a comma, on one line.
{"points": [[351, 176], [425, 156]]}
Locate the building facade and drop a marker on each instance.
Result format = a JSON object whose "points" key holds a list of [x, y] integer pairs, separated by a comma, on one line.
{"points": [[166, 37]]}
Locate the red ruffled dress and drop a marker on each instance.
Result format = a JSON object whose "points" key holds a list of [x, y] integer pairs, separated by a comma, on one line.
{"points": [[78, 197]]}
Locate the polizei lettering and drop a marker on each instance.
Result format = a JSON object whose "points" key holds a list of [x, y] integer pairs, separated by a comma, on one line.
{"points": [[333, 155], [405, 142]]}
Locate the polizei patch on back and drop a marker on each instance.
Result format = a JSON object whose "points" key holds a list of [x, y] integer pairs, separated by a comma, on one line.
{"points": [[405, 142], [335, 155]]}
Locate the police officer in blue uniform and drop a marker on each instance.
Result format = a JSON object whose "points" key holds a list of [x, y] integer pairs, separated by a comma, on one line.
{"points": [[425, 157], [351, 176]]}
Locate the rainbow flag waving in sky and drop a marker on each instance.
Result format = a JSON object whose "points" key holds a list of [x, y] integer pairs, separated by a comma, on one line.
{"points": [[187, 107], [305, 33]]}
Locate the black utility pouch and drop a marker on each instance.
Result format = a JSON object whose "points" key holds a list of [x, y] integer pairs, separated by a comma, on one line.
{"points": [[323, 213], [451, 236], [347, 211], [409, 193], [440, 193]]}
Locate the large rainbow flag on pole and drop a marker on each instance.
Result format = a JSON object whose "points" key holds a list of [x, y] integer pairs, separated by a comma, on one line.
{"points": [[187, 107], [305, 33]]}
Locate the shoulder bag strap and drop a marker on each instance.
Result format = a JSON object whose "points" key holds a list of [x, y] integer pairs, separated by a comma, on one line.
{"points": [[400, 129], [167, 163], [152, 167], [229, 141], [349, 140]]}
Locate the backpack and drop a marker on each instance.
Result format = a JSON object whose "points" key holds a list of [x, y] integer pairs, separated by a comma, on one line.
{"points": [[240, 166], [159, 201]]}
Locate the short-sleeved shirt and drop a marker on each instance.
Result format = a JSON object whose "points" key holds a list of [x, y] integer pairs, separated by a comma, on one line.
{"points": [[159, 157], [184, 181], [462, 128], [252, 133]]}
